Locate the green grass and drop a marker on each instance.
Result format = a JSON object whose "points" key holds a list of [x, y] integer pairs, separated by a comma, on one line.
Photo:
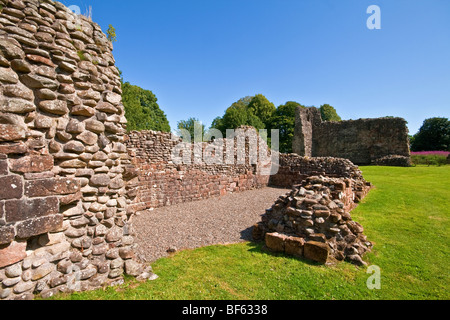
{"points": [[406, 217]]}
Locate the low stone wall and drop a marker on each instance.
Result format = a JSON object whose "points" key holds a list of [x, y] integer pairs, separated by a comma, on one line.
{"points": [[294, 169], [161, 182]]}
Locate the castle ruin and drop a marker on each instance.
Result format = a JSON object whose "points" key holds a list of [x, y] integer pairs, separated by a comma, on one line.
{"points": [[382, 141]]}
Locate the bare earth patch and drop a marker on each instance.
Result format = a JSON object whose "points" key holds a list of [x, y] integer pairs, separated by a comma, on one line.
{"points": [[222, 220]]}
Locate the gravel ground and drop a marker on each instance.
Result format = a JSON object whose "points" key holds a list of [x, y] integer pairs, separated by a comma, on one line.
{"points": [[223, 220]]}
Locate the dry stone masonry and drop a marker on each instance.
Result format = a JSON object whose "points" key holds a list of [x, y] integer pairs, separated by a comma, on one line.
{"points": [[71, 178], [314, 221], [292, 169], [159, 181], [382, 141], [64, 224]]}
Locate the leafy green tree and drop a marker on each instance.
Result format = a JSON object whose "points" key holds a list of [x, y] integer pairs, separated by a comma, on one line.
{"points": [[261, 107], [283, 119], [111, 34], [434, 135], [195, 128], [249, 111], [142, 110], [329, 113]]}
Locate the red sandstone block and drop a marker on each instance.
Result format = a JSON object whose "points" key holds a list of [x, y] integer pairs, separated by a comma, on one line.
{"points": [[11, 187], [34, 227], [31, 163], [276, 241], [15, 147], [294, 246], [12, 253], [316, 251], [48, 187], [20, 210], [6, 235], [3, 167]]}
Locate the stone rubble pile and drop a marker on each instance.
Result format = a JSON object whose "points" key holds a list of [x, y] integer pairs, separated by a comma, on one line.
{"points": [[314, 221], [293, 169]]}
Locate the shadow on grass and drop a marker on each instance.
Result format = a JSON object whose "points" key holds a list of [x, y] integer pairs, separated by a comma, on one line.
{"points": [[260, 248]]}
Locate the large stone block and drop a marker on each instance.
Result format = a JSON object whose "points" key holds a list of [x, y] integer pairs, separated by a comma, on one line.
{"points": [[11, 187], [34, 227], [316, 251], [12, 253], [294, 246], [47, 187], [276, 241], [31, 163], [20, 210], [6, 234], [13, 148]]}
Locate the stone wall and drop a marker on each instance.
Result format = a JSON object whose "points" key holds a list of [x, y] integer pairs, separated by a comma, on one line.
{"points": [[363, 141], [64, 224], [313, 221], [293, 169], [158, 181], [161, 182]]}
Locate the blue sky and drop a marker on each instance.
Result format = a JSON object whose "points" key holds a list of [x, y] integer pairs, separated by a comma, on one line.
{"points": [[199, 56]]}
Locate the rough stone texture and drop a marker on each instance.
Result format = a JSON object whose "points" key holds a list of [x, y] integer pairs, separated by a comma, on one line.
{"points": [[313, 221], [157, 181], [61, 163], [362, 141], [293, 169]]}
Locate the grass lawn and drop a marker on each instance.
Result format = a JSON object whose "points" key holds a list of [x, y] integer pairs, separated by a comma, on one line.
{"points": [[406, 217]]}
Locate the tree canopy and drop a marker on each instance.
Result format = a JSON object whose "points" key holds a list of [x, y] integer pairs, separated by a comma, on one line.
{"points": [[284, 119], [434, 135], [195, 128], [329, 113], [257, 111], [249, 111], [142, 110]]}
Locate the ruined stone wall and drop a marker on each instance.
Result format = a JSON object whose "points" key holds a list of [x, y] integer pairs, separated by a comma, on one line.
{"points": [[64, 224], [294, 169], [363, 141], [161, 182], [313, 221]]}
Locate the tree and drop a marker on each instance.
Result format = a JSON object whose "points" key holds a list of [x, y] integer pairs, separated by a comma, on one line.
{"points": [[253, 111], [111, 33], [329, 113], [283, 119], [142, 110], [195, 128], [261, 107], [434, 135]]}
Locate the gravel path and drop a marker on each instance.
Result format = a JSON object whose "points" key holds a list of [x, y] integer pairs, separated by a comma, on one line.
{"points": [[227, 219]]}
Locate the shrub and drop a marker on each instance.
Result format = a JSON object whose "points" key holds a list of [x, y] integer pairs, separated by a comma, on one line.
{"points": [[430, 158]]}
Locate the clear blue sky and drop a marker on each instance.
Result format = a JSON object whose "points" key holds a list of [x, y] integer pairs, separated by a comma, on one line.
{"points": [[199, 56]]}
